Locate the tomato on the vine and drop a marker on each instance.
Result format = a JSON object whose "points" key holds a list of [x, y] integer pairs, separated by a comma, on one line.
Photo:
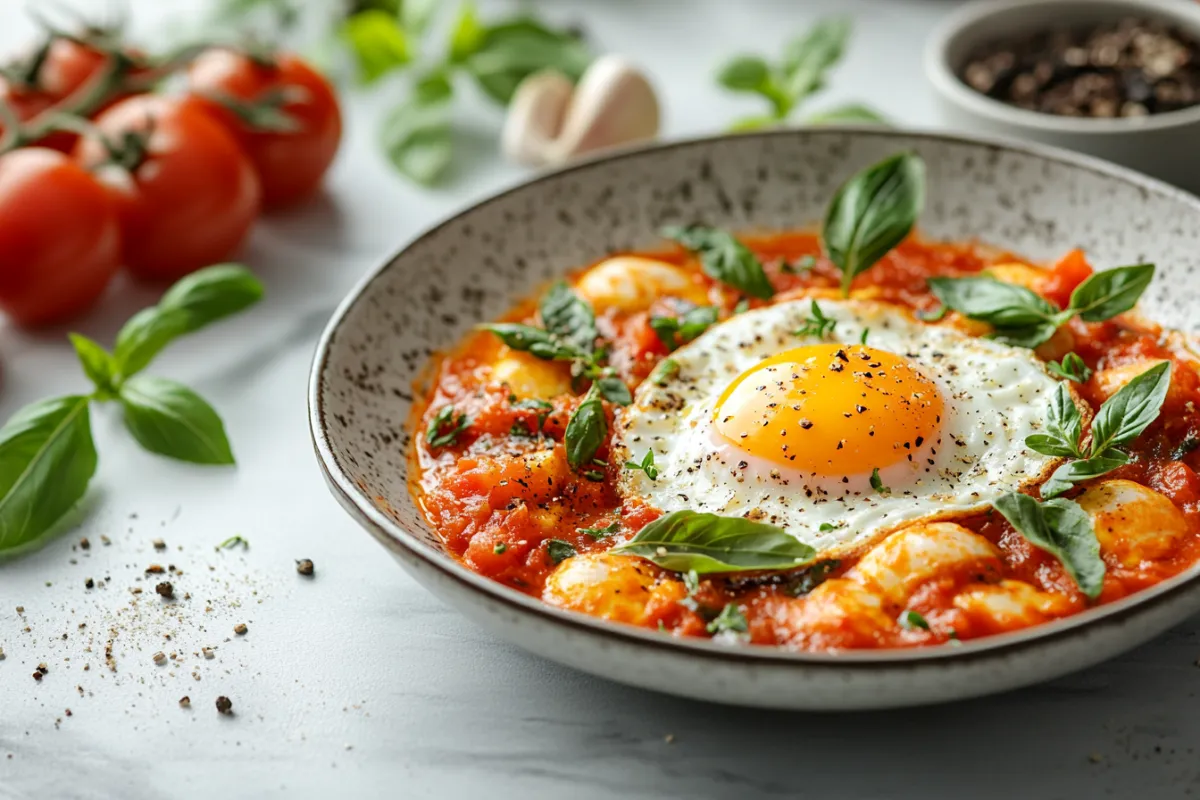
{"points": [[289, 162], [60, 240], [186, 193]]}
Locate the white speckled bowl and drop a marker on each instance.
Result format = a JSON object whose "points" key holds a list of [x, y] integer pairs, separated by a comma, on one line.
{"points": [[471, 268], [1162, 145]]}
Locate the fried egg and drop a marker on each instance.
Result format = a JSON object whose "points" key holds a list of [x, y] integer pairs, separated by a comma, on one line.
{"points": [[836, 440]]}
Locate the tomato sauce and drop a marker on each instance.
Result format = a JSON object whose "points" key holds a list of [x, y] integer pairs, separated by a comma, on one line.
{"points": [[501, 494]]}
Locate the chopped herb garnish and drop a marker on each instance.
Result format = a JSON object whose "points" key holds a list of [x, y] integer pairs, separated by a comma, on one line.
{"points": [[664, 371], [674, 331], [691, 582], [742, 306], [730, 620], [600, 533], [532, 403], [444, 428], [520, 430], [559, 551], [499, 548], [816, 324], [1071, 367], [863, 339], [233, 541], [911, 620], [803, 264], [806, 580], [933, 316], [825, 527], [1190, 442], [877, 482], [646, 465]]}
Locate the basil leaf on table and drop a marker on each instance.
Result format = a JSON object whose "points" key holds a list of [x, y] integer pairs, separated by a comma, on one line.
{"points": [[744, 74], [509, 52], [1124, 416], [466, 34], [1062, 529], [872, 212], [724, 258], [197, 300], [378, 43], [47, 458], [807, 60], [586, 429], [97, 363], [854, 113], [170, 419], [416, 137], [707, 543], [415, 15], [1111, 292], [1073, 472]]}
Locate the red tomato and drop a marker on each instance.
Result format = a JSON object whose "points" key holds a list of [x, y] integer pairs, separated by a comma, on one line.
{"points": [[60, 240], [190, 198], [290, 164], [1070, 271]]}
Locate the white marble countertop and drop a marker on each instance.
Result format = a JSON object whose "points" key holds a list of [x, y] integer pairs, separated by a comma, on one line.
{"points": [[358, 683]]}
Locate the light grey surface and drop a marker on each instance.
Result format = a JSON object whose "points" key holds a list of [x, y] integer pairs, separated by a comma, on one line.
{"points": [[361, 684]]}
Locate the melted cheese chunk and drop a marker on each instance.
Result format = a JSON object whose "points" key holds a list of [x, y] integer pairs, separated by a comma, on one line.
{"points": [[910, 557], [1133, 523], [1009, 605], [530, 376], [629, 283], [612, 587]]}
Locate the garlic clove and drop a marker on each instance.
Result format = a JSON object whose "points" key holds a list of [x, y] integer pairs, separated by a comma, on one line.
{"points": [[550, 122], [535, 117]]}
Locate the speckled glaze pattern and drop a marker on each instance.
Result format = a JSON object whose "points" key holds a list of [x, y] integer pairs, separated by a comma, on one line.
{"points": [[1037, 202]]}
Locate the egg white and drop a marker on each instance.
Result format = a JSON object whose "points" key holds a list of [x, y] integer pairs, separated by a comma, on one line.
{"points": [[994, 395]]}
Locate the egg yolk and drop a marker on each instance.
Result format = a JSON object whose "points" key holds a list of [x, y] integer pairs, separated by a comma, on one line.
{"points": [[831, 409]]}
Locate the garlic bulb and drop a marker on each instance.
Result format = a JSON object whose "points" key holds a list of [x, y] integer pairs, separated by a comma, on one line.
{"points": [[550, 121]]}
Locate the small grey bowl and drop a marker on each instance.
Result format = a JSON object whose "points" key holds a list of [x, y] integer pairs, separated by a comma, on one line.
{"points": [[474, 266], [1162, 145]]}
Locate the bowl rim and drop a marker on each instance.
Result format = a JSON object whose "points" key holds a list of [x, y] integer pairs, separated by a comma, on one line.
{"points": [[941, 73], [418, 553]]}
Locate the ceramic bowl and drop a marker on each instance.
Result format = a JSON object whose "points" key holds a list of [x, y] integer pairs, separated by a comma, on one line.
{"points": [[1036, 201], [1162, 145]]}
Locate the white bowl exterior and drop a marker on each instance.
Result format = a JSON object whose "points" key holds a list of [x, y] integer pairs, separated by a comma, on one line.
{"points": [[1163, 146], [474, 266]]}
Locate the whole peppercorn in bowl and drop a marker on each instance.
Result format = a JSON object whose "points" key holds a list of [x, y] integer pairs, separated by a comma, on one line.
{"points": [[1117, 79]]}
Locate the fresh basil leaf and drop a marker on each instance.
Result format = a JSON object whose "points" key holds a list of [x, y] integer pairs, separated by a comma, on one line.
{"points": [[664, 372], [614, 390], [1050, 446], [416, 137], [559, 551], [1114, 291], [731, 620], [707, 543], [1074, 472], [600, 533], [1062, 529], [518, 336], [912, 620], [378, 43], [1124, 416], [744, 74], [1064, 420], [804, 581], [466, 35], [170, 419], [646, 465], [807, 60], [97, 363], [433, 88], [570, 318], [1003, 305], [872, 212], [586, 429], [445, 428], [512, 51], [854, 113], [688, 327], [417, 14], [192, 303], [754, 123], [724, 258], [1072, 368], [47, 458]]}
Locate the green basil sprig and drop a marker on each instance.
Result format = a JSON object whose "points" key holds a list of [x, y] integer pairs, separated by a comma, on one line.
{"points": [[569, 333], [800, 73], [47, 455], [587, 429], [724, 258], [816, 324], [1062, 529], [1072, 368], [872, 212], [1120, 420], [707, 543], [1024, 318], [674, 331]]}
